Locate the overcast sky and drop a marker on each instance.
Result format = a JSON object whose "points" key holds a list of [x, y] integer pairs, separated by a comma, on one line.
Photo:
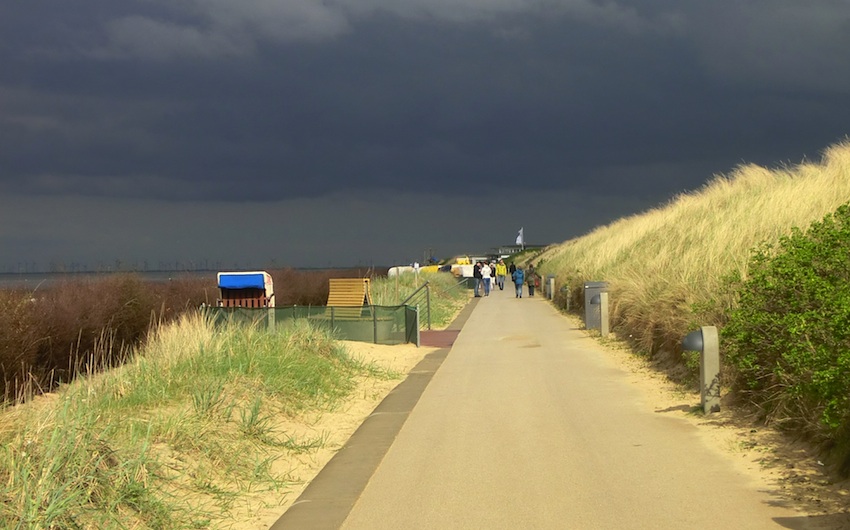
{"points": [[356, 132]]}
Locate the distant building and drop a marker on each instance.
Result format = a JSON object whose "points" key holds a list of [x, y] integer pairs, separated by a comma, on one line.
{"points": [[501, 252], [505, 251]]}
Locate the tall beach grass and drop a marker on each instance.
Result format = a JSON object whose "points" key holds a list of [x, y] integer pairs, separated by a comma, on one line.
{"points": [[447, 295], [175, 436], [666, 267]]}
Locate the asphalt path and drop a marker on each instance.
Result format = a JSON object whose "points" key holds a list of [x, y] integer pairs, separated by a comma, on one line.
{"points": [[528, 424]]}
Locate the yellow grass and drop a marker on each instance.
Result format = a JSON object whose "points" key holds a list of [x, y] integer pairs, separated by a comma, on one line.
{"points": [[661, 263]]}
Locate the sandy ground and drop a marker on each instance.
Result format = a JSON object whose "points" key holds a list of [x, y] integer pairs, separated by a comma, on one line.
{"points": [[772, 460], [261, 510], [761, 454]]}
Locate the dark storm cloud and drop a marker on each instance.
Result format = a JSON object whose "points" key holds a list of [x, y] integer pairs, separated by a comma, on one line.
{"points": [[272, 99], [187, 101]]}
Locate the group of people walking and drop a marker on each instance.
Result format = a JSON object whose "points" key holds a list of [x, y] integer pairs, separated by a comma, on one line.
{"points": [[493, 274]]}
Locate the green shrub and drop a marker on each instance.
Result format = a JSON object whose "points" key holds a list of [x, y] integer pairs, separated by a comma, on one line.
{"points": [[788, 340]]}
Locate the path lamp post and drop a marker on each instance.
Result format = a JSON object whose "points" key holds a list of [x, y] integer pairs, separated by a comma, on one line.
{"points": [[601, 300], [705, 341]]}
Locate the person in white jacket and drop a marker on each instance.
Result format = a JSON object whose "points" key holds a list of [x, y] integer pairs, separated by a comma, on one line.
{"points": [[485, 277]]}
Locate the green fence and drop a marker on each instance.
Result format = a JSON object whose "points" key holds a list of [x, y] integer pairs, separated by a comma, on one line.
{"points": [[377, 324]]}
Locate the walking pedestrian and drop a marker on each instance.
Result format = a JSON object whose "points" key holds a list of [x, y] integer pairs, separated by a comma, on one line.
{"points": [[485, 276], [532, 278], [476, 279], [501, 272], [493, 275], [518, 277]]}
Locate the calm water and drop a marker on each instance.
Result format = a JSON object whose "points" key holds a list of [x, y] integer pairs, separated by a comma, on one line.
{"points": [[35, 280], [38, 279]]}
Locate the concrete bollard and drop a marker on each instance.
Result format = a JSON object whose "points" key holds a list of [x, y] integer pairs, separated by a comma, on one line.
{"points": [[591, 314], [603, 314], [601, 300], [705, 340]]}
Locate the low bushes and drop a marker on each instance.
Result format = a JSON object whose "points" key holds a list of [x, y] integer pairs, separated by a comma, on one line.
{"points": [[50, 334], [311, 287], [788, 339], [784, 323]]}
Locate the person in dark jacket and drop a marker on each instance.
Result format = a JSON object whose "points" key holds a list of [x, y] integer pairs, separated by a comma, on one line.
{"points": [[518, 277], [532, 278], [476, 278]]}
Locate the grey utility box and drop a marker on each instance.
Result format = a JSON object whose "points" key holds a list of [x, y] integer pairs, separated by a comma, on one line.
{"points": [[592, 319]]}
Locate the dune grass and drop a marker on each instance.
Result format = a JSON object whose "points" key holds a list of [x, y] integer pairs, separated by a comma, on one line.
{"points": [[447, 295], [762, 255], [49, 332], [173, 438], [666, 267]]}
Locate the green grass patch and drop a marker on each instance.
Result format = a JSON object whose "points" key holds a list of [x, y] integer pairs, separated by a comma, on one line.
{"points": [[447, 296], [172, 438]]}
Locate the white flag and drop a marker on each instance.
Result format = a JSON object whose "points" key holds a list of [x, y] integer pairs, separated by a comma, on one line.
{"points": [[519, 238]]}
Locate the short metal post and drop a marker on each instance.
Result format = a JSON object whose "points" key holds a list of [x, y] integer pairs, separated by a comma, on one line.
{"points": [[418, 336], [709, 370], [428, 303], [706, 341], [591, 297], [603, 314], [374, 326], [601, 300]]}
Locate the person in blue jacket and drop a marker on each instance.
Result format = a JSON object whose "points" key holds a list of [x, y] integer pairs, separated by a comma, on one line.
{"points": [[519, 278]]}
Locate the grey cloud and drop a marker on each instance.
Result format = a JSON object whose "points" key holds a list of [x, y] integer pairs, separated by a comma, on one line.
{"points": [[222, 28], [135, 128], [353, 228], [446, 10], [292, 20], [781, 45], [146, 38], [613, 14], [395, 102], [619, 16]]}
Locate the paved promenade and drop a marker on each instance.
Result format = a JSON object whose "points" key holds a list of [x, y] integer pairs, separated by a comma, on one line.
{"points": [[528, 424]]}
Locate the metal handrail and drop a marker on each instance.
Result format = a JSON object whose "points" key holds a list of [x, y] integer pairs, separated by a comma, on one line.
{"points": [[459, 285], [427, 287]]}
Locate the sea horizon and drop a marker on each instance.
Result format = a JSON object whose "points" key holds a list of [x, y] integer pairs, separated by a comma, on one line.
{"points": [[35, 280]]}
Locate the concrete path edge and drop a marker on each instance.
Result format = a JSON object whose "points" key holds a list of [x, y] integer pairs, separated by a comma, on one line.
{"points": [[326, 502]]}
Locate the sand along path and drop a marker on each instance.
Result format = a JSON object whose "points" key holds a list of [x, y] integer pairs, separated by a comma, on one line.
{"points": [[527, 424]]}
